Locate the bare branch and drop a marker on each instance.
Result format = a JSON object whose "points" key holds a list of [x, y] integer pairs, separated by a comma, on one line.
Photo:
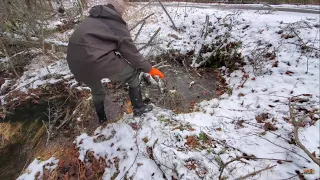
{"points": [[139, 10], [141, 21], [256, 172], [290, 177], [229, 162], [135, 38], [151, 39], [296, 126], [164, 66], [174, 26], [206, 28], [272, 159], [159, 64], [67, 117], [285, 148]]}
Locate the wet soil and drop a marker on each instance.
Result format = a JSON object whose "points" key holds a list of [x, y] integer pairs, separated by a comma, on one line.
{"points": [[184, 89]]}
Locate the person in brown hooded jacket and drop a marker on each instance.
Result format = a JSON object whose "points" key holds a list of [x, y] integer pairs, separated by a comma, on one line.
{"points": [[102, 47]]}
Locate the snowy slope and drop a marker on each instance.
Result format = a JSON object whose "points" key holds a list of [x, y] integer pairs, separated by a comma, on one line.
{"points": [[164, 145]]}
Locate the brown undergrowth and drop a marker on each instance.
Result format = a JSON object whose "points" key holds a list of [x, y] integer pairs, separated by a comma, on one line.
{"points": [[70, 167]]}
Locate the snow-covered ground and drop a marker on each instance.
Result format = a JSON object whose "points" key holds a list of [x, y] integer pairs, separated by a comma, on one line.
{"points": [[164, 145]]}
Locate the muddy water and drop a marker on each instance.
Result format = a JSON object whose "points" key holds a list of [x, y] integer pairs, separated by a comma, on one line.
{"points": [[184, 88]]}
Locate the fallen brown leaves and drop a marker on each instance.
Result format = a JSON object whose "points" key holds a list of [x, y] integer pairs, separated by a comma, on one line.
{"points": [[202, 141], [135, 126], [262, 117], [193, 164], [70, 167], [192, 142], [287, 36], [269, 127], [239, 124], [289, 73]]}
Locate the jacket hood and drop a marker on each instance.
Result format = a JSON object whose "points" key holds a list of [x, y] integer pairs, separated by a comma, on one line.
{"points": [[102, 11]]}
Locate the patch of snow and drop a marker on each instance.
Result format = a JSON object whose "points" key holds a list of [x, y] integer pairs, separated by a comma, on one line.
{"points": [[53, 24], [34, 79], [53, 41], [35, 169], [105, 80], [5, 59]]}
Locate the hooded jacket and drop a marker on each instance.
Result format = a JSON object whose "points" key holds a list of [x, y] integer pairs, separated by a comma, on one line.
{"points": [[91, 50]]}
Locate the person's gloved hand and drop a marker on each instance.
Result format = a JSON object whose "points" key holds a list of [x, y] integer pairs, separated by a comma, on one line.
{"points": [[156, 72]]}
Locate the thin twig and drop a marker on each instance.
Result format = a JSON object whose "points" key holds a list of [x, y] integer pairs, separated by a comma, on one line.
{"points": [[174, 26], [48, 128], [139, 10], [48, 132], [278, 135], [293, 30], [135, 38], [141, 21], [296, 126], [272, 159], [285, 148], [256, 172], [311, 53], [309, 47], [290, 177], [186, 68], [229, 162], [70, 117], [66, 119], [206, 28], [153, 157], [159, 64], [164, 66], [151, 39]]}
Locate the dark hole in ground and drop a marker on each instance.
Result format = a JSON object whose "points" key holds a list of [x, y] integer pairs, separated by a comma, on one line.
{"points": [[14, 156], [30, 113], [12, 161]]}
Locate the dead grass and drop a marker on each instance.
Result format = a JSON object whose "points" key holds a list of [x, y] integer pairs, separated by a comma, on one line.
{"points": [[10, 133]]}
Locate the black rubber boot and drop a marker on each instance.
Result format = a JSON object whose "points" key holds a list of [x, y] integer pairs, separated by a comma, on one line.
{"points": [[139, 107], [100, 112]]}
